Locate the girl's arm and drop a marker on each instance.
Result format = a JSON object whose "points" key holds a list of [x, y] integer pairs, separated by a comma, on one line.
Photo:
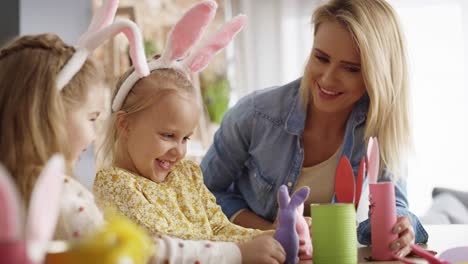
{"points": [[223, 229]]}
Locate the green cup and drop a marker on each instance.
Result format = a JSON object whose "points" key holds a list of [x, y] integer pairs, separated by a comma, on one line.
{"points": [[334, 233]]}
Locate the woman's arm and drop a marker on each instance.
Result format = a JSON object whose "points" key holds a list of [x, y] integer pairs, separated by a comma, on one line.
{"points": [[247, 218], [224, 162]]}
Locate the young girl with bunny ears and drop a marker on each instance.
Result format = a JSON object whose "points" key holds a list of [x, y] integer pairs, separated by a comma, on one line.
{"points": [[50, 96], [153, 118]]}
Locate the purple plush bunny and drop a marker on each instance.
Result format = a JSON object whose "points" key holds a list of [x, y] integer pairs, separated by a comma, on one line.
{"points": [[286, 233]]}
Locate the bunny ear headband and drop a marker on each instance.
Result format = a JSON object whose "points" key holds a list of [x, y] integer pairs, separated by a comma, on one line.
{"points": [[42, 213], [182, 38], [103, 27]]}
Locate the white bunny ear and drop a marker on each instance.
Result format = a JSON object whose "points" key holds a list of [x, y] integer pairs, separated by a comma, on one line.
{"points": [[10, 217], [216, 43], [188, 31], [104, 16], [135, 39], [93, 38], [181, 39], [44, 208]]}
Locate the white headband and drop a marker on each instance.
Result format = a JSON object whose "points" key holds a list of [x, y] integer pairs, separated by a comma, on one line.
{"points": [[101, 29], [181, 40]]}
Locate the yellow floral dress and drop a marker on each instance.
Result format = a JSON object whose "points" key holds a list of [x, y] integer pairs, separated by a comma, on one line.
{"points": [[182, 206]]}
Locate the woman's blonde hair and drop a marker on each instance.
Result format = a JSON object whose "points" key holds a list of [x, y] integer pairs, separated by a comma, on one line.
{"points": [[376, 31], [32, 109], [160, 82]]}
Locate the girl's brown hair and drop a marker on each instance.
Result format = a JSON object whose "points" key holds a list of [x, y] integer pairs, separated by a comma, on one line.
{"points": [[32, 109]]}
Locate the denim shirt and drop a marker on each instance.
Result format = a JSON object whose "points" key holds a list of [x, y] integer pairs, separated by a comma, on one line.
{"points": [[259, 147]]}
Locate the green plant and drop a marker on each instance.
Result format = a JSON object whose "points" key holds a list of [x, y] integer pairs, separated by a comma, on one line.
{"points": [[216, 97], [150, 48]]}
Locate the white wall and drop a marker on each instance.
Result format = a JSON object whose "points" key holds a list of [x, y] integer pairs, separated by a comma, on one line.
{"points": [[272, 29], [67, 18], [436, 35]]}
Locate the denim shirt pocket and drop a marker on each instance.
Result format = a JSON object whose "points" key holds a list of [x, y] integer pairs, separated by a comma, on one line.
{"points": [[259, 187]]}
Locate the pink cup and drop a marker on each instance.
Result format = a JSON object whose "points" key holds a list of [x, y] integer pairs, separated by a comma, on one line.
{"points": [[14, 252], [383, 218]]}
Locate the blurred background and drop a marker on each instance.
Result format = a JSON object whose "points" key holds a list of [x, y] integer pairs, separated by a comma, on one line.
{"points": [[272, 50]]}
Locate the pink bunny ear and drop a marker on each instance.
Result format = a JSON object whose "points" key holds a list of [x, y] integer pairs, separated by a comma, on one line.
{"points": [[133, 34], [299, 197], [300, 209], [189, 30], [104, 16], [10, 218], [44, 207], [283, 197], [216, 43], [99, 31], [373, 157], [91, 42], [137, 53]]}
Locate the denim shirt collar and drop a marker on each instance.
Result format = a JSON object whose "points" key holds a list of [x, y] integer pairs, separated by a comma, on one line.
{"points": [[295, 121]]}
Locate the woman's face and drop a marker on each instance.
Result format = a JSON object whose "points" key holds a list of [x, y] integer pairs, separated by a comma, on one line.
{"points": [[334, 70]]}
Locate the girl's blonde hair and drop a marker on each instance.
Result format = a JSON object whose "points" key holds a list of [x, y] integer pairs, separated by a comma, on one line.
{"points": [[375, 29], [160, 82], [32, 110]]}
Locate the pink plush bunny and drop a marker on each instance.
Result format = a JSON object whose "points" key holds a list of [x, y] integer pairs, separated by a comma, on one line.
{"points": [[102, 28], [303, 232], [290, 221], [28, 244], [179, 53]]}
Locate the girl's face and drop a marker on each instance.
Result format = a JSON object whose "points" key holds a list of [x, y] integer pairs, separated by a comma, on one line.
{"points": [[334, 69], [156, 137], [80, 123]]}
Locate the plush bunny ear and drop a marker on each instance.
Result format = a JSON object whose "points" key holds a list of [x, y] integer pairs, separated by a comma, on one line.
{"points": [[299, 196], [44, 207], [188, 30], [10, 217], [373, 157], [103, 17], [99, 31], [137, 53], [283, 197], [133, 34], [216, 43]]}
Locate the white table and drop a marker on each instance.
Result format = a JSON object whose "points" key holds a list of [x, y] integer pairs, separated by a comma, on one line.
{"points": [[441, 238]]}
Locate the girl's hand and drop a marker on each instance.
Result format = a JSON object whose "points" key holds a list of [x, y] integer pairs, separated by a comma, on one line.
{"points": [[262, 249], [406, 235]]}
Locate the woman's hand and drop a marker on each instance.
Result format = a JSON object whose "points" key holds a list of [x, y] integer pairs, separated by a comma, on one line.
{"points": [[406, 236]]}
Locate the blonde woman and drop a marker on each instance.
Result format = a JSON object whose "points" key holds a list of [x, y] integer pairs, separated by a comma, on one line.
{"points": [[355, 86]]}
